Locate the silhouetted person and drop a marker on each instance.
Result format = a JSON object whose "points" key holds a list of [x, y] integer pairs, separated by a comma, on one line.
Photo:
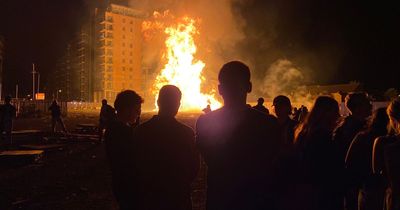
{"points": [[386, 157], [119, 143], [239, 145], [360, 108], [369, 186], [207, 109], [319, 182], [7, 115], [283, 109], [260, 106], [167, 161], [303, 113], [107, 115], [56, 118]]}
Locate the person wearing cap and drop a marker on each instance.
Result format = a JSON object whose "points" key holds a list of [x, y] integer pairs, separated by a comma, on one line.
{"points": [[283, 110], [260, 106]]}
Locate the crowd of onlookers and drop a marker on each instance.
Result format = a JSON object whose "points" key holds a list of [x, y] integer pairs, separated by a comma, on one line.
{"points": [[298, 159]]}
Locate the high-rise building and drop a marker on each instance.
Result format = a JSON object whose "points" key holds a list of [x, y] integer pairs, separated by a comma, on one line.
{"points": [[85, 60], [118, 51]]}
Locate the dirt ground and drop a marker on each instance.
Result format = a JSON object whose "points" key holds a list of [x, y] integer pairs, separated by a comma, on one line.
{"points": [[74, 176]]}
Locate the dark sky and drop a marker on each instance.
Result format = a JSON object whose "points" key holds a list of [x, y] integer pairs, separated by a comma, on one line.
{"points": [[339, 40]]}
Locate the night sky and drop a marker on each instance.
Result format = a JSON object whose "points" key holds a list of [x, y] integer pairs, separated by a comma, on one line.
{"points": [[341, 41]]}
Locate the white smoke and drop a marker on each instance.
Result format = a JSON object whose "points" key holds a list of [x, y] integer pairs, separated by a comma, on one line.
{"points": [[284, 78]]}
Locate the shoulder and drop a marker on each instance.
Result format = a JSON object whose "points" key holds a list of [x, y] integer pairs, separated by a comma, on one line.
{"points": [[260, 116], [209, 117]]}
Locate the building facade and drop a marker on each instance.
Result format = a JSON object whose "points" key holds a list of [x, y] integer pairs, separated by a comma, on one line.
{"points": [[118, 52]]}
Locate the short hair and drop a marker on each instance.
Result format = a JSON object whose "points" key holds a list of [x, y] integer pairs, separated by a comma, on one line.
{"points": [[169, 93], [234, 72], [104, 101], [281, 100], [127, 99], [7, 99], [260, 100], [356, 100]]}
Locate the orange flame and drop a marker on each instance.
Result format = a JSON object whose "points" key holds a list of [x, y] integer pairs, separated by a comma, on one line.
{"points": [[182, 69]]}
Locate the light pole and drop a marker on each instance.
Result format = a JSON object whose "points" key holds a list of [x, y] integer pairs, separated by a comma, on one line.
{"points": [[33, 81], [58, 91]]}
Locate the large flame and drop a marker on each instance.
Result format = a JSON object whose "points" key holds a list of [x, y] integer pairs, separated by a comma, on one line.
{"points": [[183, 69]]}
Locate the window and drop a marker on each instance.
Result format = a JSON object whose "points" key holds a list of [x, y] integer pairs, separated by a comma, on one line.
{"points": [[109, 77], [130, 69], [123, 52], [123, 20], [109, 60], [109, 85], [130, 45], [130, 53], [123, 68], [123, 36], [123, 44], [109, 27], [109, 35], [109, 18], [123, 28], [123, 60], [109, 52], [131, 22], [131, 30], [109, 68], [130, 61], [109, 43]]}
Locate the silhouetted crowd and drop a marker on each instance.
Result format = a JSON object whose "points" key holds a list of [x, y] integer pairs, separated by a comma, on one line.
{"points": [[300, 159]]}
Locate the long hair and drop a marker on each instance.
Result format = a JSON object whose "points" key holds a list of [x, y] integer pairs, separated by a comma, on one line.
{"points": [[322, 117], [378, 124], [393, 111]]}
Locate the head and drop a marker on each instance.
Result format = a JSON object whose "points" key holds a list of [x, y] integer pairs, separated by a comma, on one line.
{"points": [[282, 106], [323, 116], [393, 111], [359, 105], [379, 122], [104, 102], [260, 101], [54, 102], [234, 83], [128, 106], [7, 99], [169, 101]]}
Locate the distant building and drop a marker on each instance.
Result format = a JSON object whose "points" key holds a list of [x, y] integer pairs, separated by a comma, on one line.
{"points": [[104, 58], [118, 51], [2, 49]]}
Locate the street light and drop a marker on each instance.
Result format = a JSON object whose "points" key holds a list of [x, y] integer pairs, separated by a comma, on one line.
{"points": [[59, 91]]}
